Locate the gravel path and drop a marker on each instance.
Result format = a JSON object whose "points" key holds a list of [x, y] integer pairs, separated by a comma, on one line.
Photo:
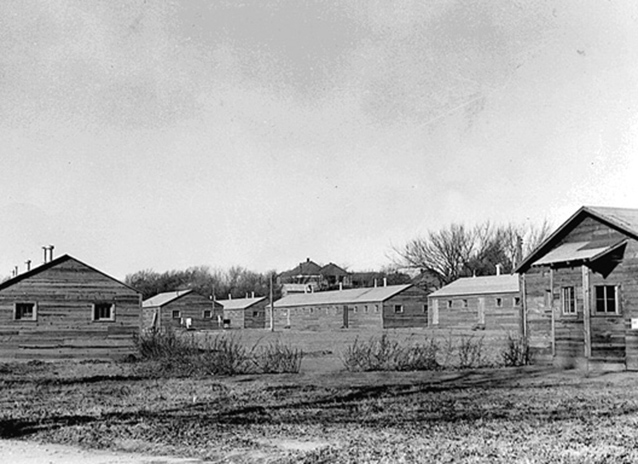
{"points": [[25, 452]]}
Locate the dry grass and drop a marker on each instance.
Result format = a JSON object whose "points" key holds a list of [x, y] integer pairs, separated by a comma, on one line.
{"points": [[529, 415]]}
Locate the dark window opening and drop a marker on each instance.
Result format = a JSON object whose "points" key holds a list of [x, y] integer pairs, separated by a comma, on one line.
{"points": [[25, 311], [103, 312]]}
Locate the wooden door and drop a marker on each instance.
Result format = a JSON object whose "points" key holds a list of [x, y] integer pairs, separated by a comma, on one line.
{"points": [[481, 311]]}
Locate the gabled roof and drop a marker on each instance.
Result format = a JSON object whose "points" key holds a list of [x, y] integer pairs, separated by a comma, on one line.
{"points": [[624, 220], [333, 269], [241, 303], [506, 283], [162, 299], [53, 263], [350, 296], [306, 268], [578, 252]]}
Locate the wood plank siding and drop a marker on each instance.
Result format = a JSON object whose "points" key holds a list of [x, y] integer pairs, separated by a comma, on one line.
{"points": [[583, 334], [405, 308], [63, 295], [201, 311], [480, 311]]}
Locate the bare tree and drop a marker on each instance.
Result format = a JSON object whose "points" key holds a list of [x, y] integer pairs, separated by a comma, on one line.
{"points": [[458, 251]]}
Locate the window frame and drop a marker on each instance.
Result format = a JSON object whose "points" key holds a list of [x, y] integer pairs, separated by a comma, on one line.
{"points": [[516, 301], [616, 299], [176, 311], [464, 303], [398, 309], [564, 300], [19, 316], [498, 302], [94, 307], [209, 312]]}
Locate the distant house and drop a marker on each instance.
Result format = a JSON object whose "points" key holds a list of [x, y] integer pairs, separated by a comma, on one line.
{"points": [[309, 276], [580, 290], [492, 302], [375, 307], [67, 309], [245, 313], [181, 309]]}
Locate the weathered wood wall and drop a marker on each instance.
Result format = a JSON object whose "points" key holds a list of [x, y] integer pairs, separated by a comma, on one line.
{"points": [[414, 301], [255, 315], [64, 328], [191, 305], [611, 336], [506, 318]]}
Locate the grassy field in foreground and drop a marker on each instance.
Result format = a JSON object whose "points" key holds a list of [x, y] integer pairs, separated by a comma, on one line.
{"points": [[531, 415]]}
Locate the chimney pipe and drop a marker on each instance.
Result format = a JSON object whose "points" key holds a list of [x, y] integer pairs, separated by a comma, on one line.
{"points": [[375, 282], [340, 286], [51, 247], [385, 281], [498, 269], [28, 264], [252, 295], [230, 297], [45, 254]]}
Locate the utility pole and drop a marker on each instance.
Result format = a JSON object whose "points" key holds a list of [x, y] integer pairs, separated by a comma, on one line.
{"points": [[272, 307]]}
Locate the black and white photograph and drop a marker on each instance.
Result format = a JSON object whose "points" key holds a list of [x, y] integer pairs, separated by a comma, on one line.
{"points": [[318, 231]]}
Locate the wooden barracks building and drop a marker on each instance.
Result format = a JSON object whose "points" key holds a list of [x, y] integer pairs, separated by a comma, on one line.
{"points": [[580, 290], [65, 308], [385, 307]]}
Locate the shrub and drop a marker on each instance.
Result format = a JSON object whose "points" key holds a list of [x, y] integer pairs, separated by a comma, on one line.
{"points": [[168, 353], [384, 354], [516, 351], [470, 352], [277, 358]]}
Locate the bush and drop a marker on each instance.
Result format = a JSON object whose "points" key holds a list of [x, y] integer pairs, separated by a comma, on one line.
{"points": [[168, 353], [516, 351], [384, 354], [470, 352], [278, 359]]}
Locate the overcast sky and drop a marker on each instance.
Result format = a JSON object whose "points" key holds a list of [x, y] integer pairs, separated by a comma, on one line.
{"points": [[162, 135]]}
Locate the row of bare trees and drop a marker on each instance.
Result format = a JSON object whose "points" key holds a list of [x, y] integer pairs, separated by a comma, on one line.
{"points": [[236, 281], [458, 250]]}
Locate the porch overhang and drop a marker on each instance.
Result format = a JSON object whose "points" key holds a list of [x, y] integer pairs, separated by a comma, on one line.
{"points": [[578, 253]]}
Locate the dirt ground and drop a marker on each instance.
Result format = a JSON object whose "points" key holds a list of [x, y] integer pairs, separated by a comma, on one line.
{"points": [[27, 452]]}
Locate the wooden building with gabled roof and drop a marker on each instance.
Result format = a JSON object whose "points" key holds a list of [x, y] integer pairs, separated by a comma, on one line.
{"points": [[67, 309], [181, 309], [391, 306], [484, 302], [580, 290], [245, 313]]}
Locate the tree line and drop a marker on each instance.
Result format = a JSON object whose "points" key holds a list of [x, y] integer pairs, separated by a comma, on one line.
{"points": [[235, 281]]}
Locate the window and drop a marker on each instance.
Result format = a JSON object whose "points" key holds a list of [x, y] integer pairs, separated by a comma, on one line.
{"points": [[103, 311], [499, 302], [465, 303], [365, 309], [449, 303], [208, 314], [517, 301], [425, 308], [25, 311], [255, 313], [376, 308], [176, 314], [398, 309], [606, 299], [355, 309], [568, 300]]}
